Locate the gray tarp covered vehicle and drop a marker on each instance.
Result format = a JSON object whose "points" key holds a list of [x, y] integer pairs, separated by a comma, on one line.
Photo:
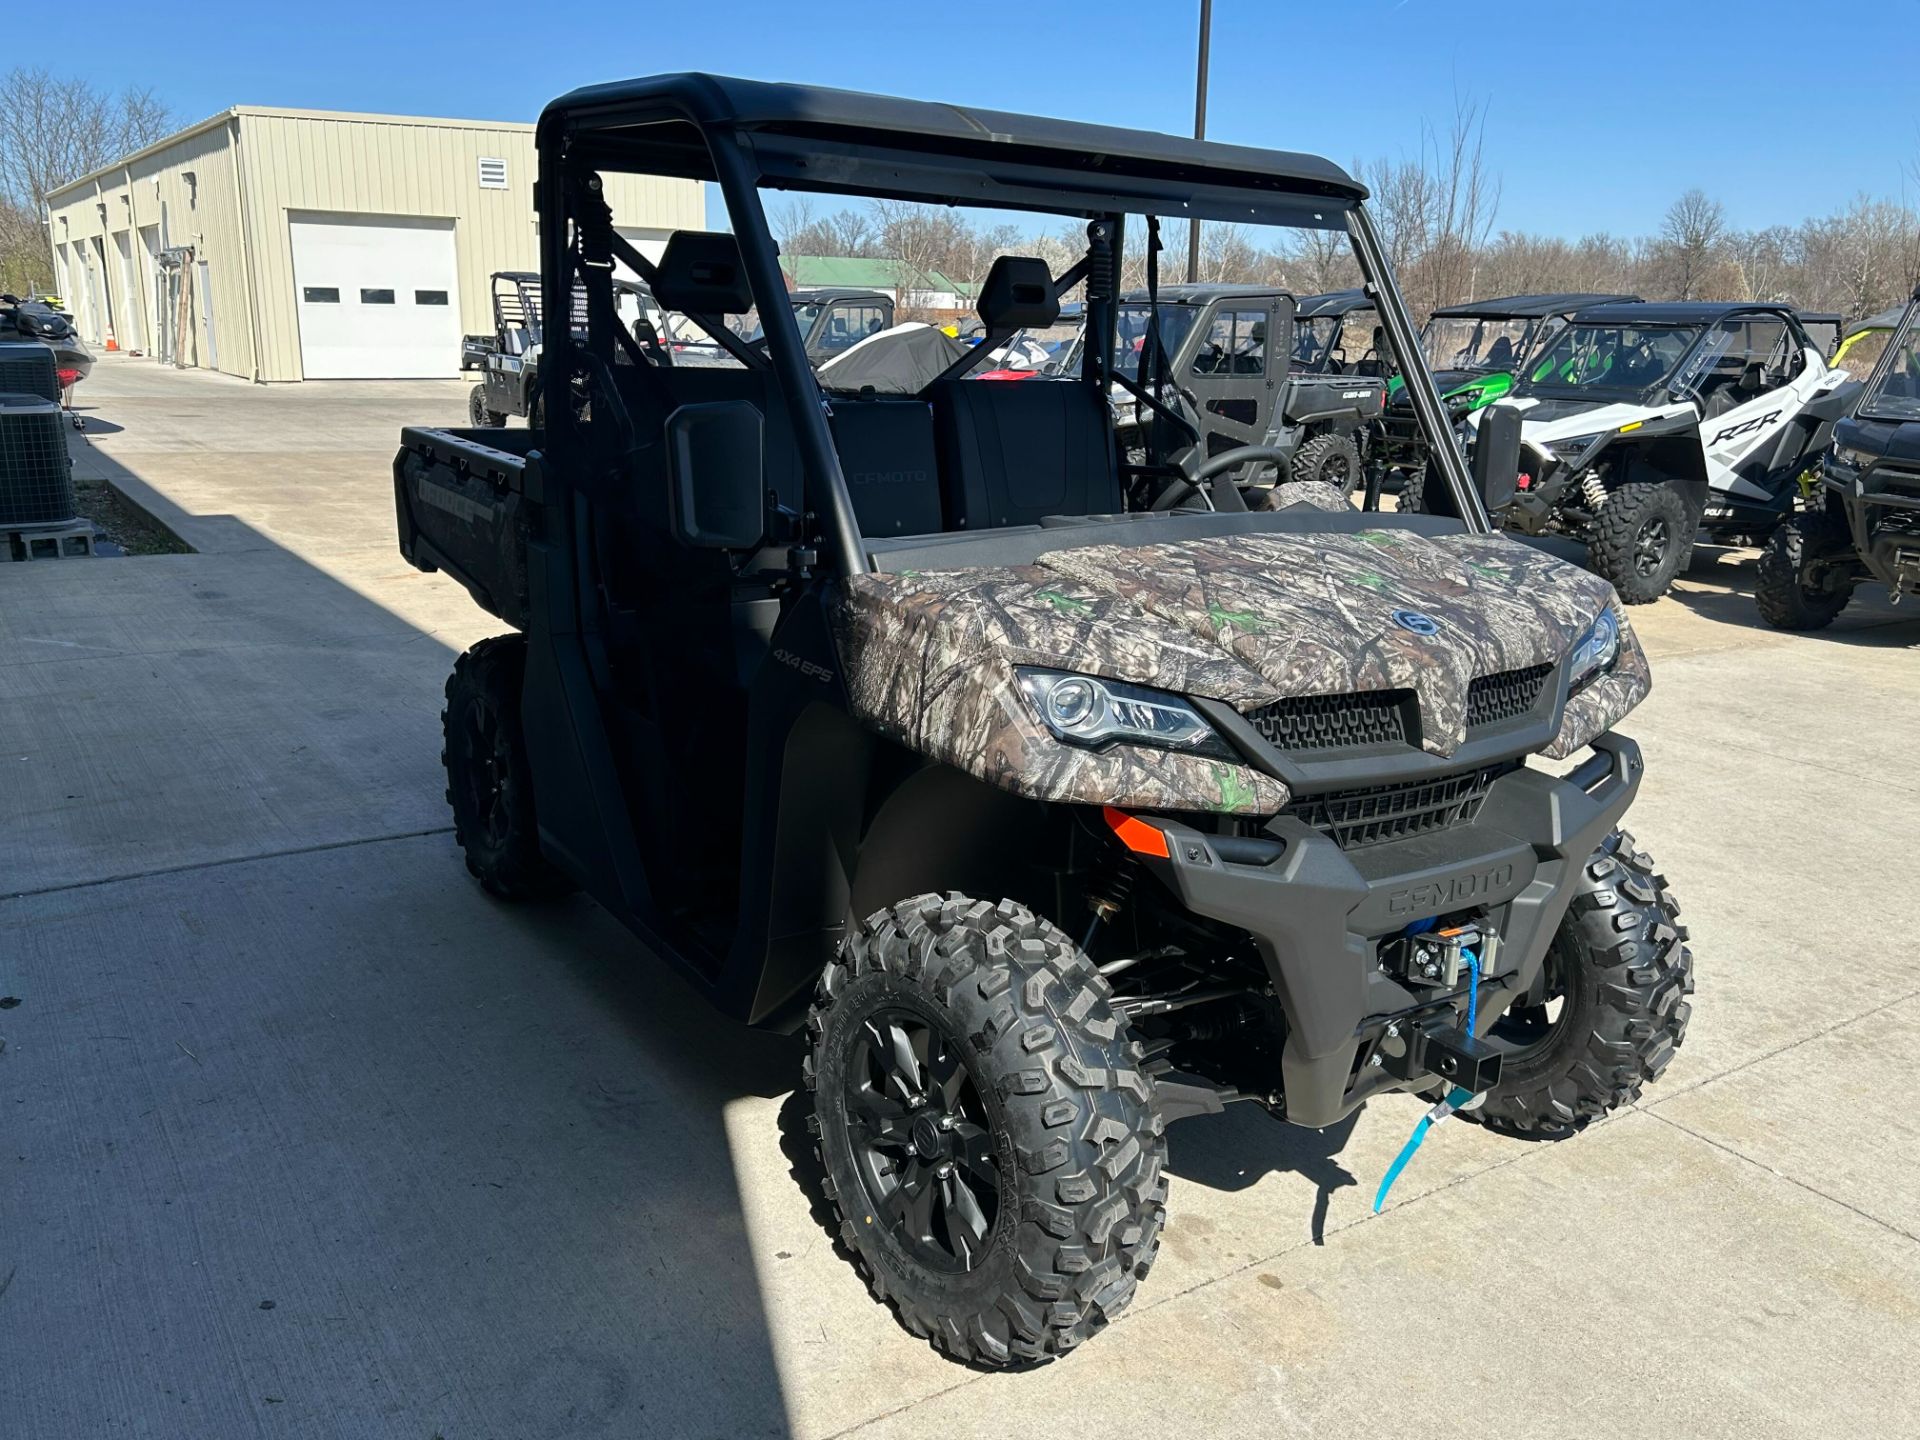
{"points": [[1052, 818]]}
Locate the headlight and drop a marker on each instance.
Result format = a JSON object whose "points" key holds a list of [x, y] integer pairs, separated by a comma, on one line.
{"points": [[1573, 446], [1090, 712], [1596, 653], [1846, 458]]}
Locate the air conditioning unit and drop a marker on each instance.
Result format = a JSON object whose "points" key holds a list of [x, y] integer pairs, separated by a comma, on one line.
{"points": [[36, 473], [27, 368]]}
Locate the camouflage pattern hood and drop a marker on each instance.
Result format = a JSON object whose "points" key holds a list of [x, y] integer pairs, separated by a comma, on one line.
{"points": [[1245, 620]]}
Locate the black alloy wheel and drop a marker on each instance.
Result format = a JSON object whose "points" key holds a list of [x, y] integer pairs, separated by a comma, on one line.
{"points": [[920, 1140]]}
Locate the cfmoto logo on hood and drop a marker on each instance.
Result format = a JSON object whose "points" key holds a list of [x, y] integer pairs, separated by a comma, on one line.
{"points": [[1418, 623]]}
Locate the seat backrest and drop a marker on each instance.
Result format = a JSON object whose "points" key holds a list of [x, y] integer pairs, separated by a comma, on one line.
{"points": [[887, 454], [1015, 451]]}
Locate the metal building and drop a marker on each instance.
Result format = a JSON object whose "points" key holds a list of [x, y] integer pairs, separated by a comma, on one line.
{"points": [[304, 244]]}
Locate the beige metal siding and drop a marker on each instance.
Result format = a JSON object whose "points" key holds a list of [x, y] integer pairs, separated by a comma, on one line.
{"points": [[308, 163], [305, 165], [152, 189]]}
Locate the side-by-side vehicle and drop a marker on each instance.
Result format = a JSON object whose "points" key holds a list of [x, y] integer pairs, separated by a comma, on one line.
{"points": [[1051, 817]]}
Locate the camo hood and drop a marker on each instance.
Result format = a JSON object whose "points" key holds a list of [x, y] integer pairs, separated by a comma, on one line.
{"points": [[1245, 620]]}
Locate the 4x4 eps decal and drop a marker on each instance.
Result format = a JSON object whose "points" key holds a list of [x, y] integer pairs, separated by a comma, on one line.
{"points": [[1733, 432]]}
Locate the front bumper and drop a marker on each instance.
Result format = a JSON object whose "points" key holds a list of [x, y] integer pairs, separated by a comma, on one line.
{"points": [[1318, 913]]}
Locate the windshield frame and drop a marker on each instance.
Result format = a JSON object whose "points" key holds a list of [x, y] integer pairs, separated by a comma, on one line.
{"points": [[1527, 385], [1904, 334], [1523, 343]]}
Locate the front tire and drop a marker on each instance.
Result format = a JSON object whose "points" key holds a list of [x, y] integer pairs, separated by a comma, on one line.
{"points": [[1641, 539], [489, 781], [954, 1033], [1782, 594], [1614, 1008]]}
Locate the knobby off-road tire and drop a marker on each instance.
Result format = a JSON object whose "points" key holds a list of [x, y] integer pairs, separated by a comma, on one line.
{"points": [[1622, 972], [489, 784], [1049, 1110], [478, 415], [1781, 592], [1331, 459], [1641, 539]]}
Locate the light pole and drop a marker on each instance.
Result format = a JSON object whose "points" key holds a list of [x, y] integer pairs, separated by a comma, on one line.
{"points": [[1199, 131]]}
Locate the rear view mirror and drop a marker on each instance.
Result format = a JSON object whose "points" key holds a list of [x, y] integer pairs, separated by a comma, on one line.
{"points": [[716, 481], [1496, 456]]}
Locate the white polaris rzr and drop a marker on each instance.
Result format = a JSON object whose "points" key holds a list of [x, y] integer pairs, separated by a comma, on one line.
{"points": [[1644, 423]]}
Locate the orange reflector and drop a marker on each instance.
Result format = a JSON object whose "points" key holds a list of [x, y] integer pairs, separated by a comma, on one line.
{"points": [[1136, 835]]}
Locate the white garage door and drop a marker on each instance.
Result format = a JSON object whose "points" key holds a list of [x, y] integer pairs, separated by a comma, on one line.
{"points": [[376, 297]]}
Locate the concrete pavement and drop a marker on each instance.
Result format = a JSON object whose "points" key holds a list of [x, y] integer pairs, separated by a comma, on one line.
{"points": [[500, 1175]]}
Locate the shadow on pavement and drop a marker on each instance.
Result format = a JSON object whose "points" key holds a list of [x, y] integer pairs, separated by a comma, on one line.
{"points": [[1240, 1146], [1718, 586], [302, 1133]]}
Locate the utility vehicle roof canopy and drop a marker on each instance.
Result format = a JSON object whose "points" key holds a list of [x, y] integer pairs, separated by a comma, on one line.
{"points": [[1204, 293], [1676, 312], [1527, 307], [1334, 302], [805, 137]]}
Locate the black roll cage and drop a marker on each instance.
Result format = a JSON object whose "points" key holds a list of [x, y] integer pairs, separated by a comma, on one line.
{"points": [[745, 135]]}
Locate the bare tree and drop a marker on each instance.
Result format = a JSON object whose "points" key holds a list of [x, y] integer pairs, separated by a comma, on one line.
{"points": [[1691, 237], [788, 217], [53, 131]]}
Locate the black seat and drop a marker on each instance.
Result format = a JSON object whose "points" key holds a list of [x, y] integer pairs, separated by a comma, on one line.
{"points": [[1751, 382], [1015, 451], [887, 454]]}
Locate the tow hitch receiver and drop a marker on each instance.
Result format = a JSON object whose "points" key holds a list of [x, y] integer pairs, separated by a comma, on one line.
{"points": [[1450, 1053]]}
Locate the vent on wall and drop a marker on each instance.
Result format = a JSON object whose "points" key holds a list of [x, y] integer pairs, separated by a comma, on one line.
{"points": [[493, 173]]}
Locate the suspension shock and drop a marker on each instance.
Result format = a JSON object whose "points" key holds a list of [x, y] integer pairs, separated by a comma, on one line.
{"points": [[1108, 894], [1593, 489]]}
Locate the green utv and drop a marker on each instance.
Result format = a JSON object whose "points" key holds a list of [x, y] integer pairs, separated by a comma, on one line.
{"points": [[1051, 818], [1477, 351]]}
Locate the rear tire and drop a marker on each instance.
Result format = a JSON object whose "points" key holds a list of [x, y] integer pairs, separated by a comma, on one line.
{"points": [[478, 415], [489, 782], [1622, 971], [1413, 492], [1781, 592], [1330, 459], [1641, 539], [1030, 1092]]}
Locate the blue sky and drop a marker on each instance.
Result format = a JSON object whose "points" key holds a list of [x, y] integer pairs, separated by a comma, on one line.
{"points": [[1599, 114]]}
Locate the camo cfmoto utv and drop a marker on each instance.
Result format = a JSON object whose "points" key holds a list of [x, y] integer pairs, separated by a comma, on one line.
{"points": [[1645, 423], [1862, 524], [1050, 819]]}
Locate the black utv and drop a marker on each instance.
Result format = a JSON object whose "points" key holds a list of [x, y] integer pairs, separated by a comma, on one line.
{"points": [[1862, 524], [509, 359], [1227, 350], [1051, 818]]}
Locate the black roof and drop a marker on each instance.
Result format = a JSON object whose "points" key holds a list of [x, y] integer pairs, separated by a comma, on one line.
{"points": [[1885, 320], [1204, 292], [1674, 312], [883, 145], [1334, 302], [1528, 307]]}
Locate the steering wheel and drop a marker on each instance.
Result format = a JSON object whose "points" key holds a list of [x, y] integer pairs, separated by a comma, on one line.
{"points": [[1197, 476]]}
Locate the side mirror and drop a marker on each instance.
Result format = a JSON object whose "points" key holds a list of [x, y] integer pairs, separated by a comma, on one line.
{"points": [[1496, 456], [716, 475]]}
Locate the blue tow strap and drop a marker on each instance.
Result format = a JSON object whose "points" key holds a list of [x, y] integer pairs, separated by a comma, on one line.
{"points": [[1456, 1097]]}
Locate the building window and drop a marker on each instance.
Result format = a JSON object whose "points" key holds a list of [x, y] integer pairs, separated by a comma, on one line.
{"points": [[321, 294], [376, 297], [429, 297], [493, 173]]}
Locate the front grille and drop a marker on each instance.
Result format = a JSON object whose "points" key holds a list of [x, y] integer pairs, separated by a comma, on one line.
{"points": [[1506, 696], [1334, 722], [1379, 813]]}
